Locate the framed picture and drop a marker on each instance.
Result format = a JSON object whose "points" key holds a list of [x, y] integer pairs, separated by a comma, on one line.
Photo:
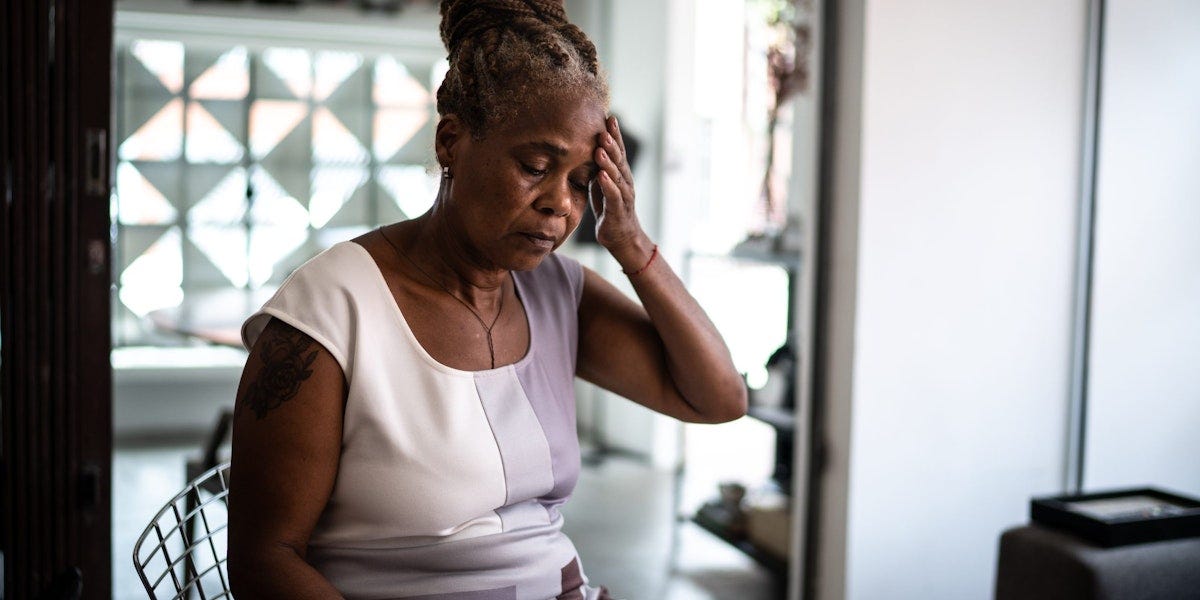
{"points": [[1121, 517]]}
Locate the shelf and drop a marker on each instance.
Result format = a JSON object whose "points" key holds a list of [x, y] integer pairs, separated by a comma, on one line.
{"points": [[772, 563], [783, 419], [786, 260]]}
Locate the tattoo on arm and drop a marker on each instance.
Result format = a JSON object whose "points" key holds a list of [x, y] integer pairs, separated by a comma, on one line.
{"points": [[285, 366]]}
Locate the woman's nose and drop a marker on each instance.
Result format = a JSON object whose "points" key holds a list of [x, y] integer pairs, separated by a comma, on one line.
{"points": [[556, 201]]}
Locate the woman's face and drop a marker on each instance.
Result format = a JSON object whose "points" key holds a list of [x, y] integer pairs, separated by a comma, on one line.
{"points": [[518, 193]]}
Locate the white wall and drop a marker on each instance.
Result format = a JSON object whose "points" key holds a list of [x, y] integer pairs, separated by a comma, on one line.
{"points": [[958, 220], [1144, 385]]}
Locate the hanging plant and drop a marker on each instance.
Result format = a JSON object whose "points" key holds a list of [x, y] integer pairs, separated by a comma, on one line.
{"points": [[788, 74]]}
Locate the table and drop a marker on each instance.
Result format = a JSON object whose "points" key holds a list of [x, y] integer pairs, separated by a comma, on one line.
{"points": [[214, 316]]}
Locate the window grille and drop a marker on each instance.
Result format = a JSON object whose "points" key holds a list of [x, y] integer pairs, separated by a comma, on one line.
{"points": [[235, 165]]}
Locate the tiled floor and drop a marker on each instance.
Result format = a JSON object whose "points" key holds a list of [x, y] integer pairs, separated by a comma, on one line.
{"points": [[144, 479], [620, 519]]}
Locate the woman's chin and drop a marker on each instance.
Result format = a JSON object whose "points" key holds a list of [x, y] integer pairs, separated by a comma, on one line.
{"points": [[527, 261], [527, 253]]}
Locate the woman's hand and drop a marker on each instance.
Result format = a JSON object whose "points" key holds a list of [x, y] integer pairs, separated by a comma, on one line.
{"points": [[670, 357], [617, 226]]}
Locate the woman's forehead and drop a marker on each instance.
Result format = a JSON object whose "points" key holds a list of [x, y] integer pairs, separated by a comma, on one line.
{"points": [[557, 121]]}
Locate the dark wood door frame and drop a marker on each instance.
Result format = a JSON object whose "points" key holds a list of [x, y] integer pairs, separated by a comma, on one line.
{"points": [[55, 374]]}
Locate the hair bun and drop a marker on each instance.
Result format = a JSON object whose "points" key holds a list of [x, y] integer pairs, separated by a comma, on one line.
{"points": [[467, 19], [502, 52]]}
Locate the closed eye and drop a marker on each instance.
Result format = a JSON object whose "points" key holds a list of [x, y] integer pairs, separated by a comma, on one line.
{"points": [[589, 178], [534, 171]]}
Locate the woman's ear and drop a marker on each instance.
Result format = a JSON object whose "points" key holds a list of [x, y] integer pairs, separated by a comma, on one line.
{"points": [[449, 136]]}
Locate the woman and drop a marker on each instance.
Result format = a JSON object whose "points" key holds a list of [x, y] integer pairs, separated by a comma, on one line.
{"points": [[405, 424]]}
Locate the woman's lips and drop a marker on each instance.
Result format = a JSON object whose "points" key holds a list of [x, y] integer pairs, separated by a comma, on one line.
{"points": [[540, 241]]}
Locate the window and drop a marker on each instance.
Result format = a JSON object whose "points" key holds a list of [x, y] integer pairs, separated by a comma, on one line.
{"points": [[236, 165]]}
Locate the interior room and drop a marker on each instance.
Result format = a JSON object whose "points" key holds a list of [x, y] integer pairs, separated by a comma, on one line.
{"points": [[949, 245], [340, 124]]}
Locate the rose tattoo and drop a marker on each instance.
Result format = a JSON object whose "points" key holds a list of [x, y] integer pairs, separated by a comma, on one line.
{"points": [[285, 367]]}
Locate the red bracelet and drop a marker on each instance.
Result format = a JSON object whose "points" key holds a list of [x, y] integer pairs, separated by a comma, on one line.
{"points": [[653, 255]]}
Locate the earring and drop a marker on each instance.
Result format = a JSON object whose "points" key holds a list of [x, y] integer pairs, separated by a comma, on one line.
{"points": [[444, 184]]}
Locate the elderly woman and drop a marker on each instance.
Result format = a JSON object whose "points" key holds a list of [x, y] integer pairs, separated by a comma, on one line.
{"points": [[406, 422]]}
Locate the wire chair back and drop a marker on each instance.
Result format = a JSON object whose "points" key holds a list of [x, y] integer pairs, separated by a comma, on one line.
{"points": [[182, 552]]}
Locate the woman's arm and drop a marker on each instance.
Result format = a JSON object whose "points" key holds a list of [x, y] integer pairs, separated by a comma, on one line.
{"points": [[666, 354], [287, 433]]}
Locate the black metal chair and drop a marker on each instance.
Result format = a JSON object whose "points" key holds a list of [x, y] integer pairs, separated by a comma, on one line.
{"points": [[183, 550]]}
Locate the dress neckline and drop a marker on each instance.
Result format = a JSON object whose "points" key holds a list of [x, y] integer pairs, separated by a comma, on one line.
{"points": [[402, 322]]}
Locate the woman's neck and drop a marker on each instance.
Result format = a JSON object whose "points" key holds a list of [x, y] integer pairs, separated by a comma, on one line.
{"points": [[444, 254]]}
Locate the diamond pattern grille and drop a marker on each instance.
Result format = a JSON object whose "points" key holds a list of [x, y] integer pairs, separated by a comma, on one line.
{"points": [[235, 166]]}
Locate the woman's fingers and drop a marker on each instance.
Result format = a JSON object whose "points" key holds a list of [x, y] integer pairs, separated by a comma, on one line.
{"points": [[613, 191], [618, 173], [614, 202], [614, 129], [614, 144]]}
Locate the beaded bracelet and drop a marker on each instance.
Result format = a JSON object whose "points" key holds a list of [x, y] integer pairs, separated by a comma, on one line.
{"points": [[653, 255]]}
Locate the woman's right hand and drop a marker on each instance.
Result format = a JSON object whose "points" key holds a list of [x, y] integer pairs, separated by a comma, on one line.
{"points": [[613, 196]]}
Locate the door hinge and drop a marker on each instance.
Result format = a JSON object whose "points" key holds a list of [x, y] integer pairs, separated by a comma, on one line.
{"points": [[96, 169], [89, 487]]}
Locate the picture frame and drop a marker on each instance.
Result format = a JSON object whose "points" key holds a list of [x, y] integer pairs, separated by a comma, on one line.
{"points": [[1120, 517]]}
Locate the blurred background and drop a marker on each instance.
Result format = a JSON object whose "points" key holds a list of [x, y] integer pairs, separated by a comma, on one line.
{"points": [[952, 246]]}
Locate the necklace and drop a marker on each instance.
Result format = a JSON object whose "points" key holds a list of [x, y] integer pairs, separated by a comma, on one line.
{"points": [[486, 328]]}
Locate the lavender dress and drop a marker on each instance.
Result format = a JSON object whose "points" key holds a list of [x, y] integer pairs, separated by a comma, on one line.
{"points": [[450, 481]]}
